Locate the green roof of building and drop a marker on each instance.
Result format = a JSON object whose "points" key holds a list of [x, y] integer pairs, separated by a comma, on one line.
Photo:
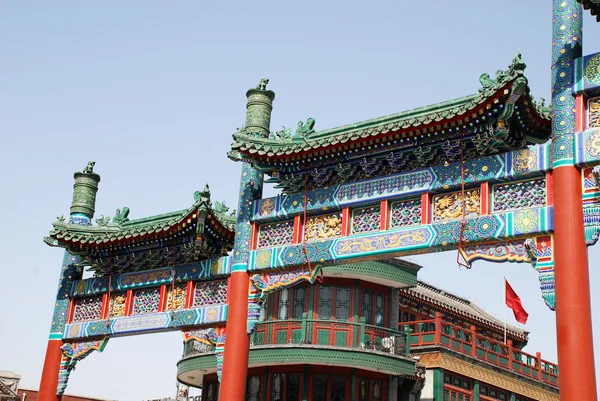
{"points": [[206, 226], [306, 141]]}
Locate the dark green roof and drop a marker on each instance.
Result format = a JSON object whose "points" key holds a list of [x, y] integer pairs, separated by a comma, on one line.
{"points": [[104, 232], [254, 146]]}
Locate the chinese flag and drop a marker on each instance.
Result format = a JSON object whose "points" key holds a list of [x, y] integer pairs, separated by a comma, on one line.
{"points": [[514, 302]]}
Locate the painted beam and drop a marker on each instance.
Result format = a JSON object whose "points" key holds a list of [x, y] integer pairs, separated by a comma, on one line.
{"points": [[413, 239], [201, 270], [147, 323], [532, 161]]}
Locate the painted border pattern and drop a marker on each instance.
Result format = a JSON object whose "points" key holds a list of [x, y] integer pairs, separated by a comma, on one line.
{"points": [[151, 322]]}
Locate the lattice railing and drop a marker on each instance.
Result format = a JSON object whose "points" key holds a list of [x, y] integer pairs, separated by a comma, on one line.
{"points": [[331, 333], [436, 332]]}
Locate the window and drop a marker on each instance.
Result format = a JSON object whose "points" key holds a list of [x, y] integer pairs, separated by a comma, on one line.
{"points": [[298, 305], [379, 309], [293, 387], [370, 390], [212, 391], [253, 388], [492, 393], [457, 388], [363, 389], [342, 303], [338, 388], [284, 304], [368, 306], [263, 312], [278, 385], [319, 387], [325, 301], [376, 390]]}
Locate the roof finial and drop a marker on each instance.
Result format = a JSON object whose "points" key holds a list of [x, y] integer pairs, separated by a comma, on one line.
{"points": [[89, 169], [262, 85]]}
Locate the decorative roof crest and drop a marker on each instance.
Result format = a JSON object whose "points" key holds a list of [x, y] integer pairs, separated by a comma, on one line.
{"points": [[262, 85], [202, 196], [89, 169]]}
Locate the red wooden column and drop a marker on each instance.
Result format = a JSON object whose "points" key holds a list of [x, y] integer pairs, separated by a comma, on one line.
{"points": [[572, 287], [49, 381], [572, 281]]}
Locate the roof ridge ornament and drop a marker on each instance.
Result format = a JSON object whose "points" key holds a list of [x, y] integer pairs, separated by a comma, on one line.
{"points": [[305, 129], [262, 85], [121, 216], [89, 169], [202, 196]]}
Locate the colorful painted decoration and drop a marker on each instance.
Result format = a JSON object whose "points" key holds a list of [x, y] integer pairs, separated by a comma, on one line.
{"points": [[146, 301], [450, 206], [323, 227], [405, 213], [594, 113], [519, 195], [275, 234], [117, 305], [73, 353], [366, 219], [87, 309], [176, 297], [210, 293]]}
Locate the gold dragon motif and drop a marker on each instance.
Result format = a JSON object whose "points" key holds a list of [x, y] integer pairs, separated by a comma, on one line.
{"points": [[179, 301], [594, 113], [450, 206], [380, 242], [117, 305], [322, 227]]}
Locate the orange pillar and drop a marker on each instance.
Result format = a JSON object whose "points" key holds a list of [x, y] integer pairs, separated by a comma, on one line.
{"points": [[577, 378], [49, 381], [237, 341], [572, 286]]}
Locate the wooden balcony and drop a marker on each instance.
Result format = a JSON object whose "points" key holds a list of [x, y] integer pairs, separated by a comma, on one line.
{"points": [[436, 332], [331, 333]]}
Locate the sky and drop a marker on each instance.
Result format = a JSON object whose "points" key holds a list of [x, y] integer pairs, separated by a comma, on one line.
{"points": [[152, 92]]}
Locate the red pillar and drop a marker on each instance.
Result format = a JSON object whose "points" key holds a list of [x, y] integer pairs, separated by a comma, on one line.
{"points": [[49, 381], [572, 285], [237, 342]]}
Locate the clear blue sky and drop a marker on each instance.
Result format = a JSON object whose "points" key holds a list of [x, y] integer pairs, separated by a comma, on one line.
{"points": [[152, 91]]}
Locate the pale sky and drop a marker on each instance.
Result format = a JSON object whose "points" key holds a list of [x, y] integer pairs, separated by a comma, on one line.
{"points": [[152, 92]]}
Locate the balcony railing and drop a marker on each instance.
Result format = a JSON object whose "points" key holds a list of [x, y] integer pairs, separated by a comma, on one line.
{"points": [[194, 347], [331, 333], [438, 332]]}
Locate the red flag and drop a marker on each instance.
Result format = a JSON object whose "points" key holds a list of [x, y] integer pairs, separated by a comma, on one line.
{"points": [[514, 302]]}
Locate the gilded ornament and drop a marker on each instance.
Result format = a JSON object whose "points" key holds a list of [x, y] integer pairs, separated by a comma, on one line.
{"points": [[592, 70], [594, 113], [592, 145], [266, 207], [117, 305], [381, 242], [450, 206], [178, 300], [524, 161], [322, 227]]}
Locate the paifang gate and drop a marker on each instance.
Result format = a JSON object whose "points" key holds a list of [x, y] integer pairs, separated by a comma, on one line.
{"points": [[496, 175]]}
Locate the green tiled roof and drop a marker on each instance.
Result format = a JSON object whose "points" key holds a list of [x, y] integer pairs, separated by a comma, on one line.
{"points": [[121, 230], [281, 146]]}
